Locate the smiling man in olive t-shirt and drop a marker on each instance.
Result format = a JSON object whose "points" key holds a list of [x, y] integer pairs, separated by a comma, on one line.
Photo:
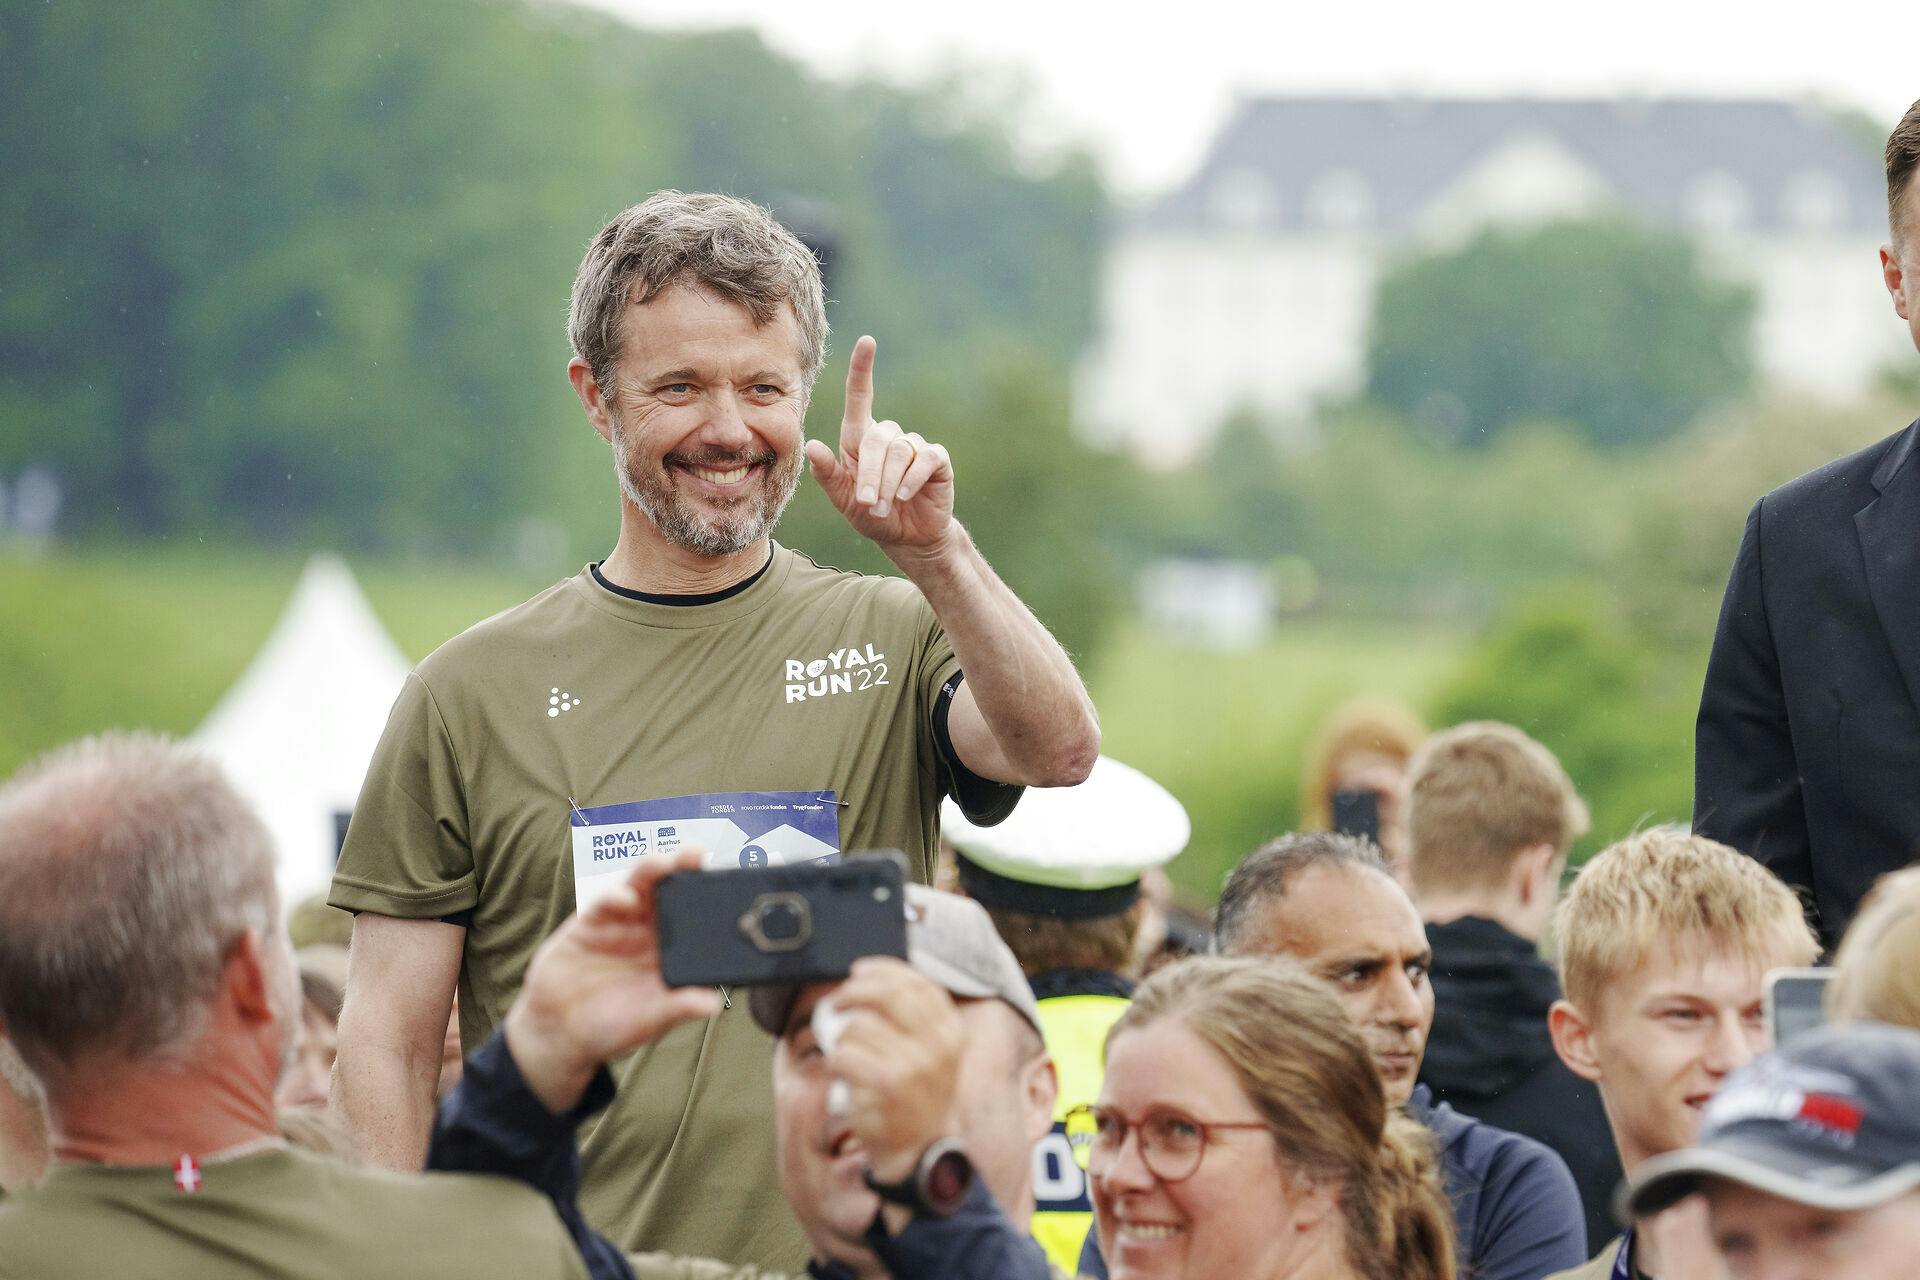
{"points": [[701, 685]]}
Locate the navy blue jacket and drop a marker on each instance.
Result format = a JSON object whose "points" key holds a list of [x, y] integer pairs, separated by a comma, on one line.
{"points": [[1516, 1211], [1515, 1205], [491, 1122]]}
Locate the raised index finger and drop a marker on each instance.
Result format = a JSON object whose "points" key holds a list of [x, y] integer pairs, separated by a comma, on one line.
{"points": [[859, 385]]}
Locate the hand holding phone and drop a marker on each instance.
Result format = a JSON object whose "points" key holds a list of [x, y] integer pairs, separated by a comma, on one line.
{"points": [[899, 1056], [594, 991]]}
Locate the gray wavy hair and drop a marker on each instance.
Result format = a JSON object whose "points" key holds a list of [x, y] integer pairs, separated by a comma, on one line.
{"points": [[729, 246], [129, 868]]}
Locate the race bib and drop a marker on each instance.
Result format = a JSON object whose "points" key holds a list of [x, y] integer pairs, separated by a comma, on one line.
{"points": [[736, 828]]}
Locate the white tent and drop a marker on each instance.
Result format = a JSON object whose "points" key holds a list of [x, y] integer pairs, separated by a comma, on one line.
{"points": [[297, 729]]}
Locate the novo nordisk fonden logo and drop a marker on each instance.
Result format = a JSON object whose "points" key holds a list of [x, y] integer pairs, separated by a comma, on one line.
{"points": [[842, 671]]}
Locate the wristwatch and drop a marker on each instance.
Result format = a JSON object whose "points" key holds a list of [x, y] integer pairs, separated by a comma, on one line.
{"points": [[938, 1184]]}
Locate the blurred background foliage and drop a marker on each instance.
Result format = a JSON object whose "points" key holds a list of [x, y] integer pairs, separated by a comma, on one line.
{"points": [[294, 276], [1614, 328]]}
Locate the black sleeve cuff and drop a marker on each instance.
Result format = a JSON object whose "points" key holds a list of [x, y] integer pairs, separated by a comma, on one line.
{"points": [[984, 801], [975, 1240], [492, 1096]]}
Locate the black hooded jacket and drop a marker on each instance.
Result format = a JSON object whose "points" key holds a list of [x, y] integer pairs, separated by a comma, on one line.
{"points": [[1490, 1056]]}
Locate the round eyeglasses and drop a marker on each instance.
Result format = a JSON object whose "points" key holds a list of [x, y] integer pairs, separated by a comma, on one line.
{"points": [[1171, 1142]]}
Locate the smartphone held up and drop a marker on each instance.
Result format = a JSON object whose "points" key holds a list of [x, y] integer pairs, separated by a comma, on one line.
{"points": [[781, 924]]}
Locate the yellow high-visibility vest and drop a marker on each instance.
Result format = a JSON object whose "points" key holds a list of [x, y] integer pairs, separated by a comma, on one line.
{"points": [[1075, 1028]]}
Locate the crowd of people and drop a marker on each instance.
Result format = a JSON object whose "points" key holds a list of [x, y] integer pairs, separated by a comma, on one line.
{"points": [[1363, 1067]]}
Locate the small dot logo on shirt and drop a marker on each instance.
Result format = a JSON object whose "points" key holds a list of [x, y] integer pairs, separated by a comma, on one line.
{"points": [[561, 701]]}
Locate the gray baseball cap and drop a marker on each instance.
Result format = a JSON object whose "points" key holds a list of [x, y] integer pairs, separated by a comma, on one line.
{"points": [[1830, 1119], [950, 940]]}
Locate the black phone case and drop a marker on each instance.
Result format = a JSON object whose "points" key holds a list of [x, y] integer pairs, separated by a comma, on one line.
{"points": [[856, 907]]}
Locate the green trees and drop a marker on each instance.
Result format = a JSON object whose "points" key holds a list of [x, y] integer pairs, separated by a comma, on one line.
{"points": [[1614, 706], [298, 273], [1611, 327]]}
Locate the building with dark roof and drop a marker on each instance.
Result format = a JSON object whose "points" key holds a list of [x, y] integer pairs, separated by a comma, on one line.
{"points": [[1252, 283]]}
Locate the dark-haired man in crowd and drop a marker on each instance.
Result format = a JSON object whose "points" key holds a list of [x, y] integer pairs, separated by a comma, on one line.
{"points": [[1808, 740], [1490, 817], [699, 681], [146, 979], [1330, 902]]}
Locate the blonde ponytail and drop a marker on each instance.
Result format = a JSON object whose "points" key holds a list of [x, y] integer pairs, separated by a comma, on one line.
{"points": [[1416, 1220]]}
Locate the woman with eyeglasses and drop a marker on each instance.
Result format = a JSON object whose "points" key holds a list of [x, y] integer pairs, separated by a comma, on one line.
{"points": [[1241, 1132]]}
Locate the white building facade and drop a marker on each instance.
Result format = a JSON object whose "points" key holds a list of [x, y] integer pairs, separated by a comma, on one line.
{"points": [[1252, 285]]}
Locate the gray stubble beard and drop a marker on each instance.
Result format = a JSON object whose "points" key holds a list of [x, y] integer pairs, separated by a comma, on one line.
{"points": [[678, 522]]}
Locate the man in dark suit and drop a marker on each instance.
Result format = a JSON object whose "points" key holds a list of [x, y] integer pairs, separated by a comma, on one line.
{"points": [[1807, 750]]}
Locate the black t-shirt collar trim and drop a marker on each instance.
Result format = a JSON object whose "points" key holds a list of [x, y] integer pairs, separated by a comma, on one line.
{"points": [[709, 597]]}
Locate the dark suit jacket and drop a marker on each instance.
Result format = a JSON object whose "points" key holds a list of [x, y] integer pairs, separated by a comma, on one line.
{"points": [[1807, 749]]}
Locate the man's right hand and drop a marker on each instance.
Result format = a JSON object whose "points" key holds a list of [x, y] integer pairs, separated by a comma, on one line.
{"points": [[900, 1056], [594, 991]]}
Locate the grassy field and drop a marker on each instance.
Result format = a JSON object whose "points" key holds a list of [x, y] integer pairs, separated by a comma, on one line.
{"points": [[154, 638], [1225, 732]]}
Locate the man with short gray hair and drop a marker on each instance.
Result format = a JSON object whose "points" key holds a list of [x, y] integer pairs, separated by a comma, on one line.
{"points": [[702, 684], [146, 980]]}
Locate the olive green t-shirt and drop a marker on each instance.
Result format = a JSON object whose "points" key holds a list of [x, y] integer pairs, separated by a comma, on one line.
{"points": [[1602, 1266], [286, 1214], [588, 696]]}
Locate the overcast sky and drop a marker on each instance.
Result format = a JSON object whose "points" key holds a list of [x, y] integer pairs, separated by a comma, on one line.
{"points": [[1148, 95]]}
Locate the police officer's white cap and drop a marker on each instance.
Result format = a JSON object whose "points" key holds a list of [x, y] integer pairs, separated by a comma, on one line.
{"points": [[1100, 834]]}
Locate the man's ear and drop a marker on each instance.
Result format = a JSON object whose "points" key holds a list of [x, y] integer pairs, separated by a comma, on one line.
{"points": [[1572, 1032], [1895, 279], [1041, 1089], [591, 398], [1536, 874], [249, 977]]}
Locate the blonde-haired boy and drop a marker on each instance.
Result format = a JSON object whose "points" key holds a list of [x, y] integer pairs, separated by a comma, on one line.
{"points": [[1665, 939]]}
